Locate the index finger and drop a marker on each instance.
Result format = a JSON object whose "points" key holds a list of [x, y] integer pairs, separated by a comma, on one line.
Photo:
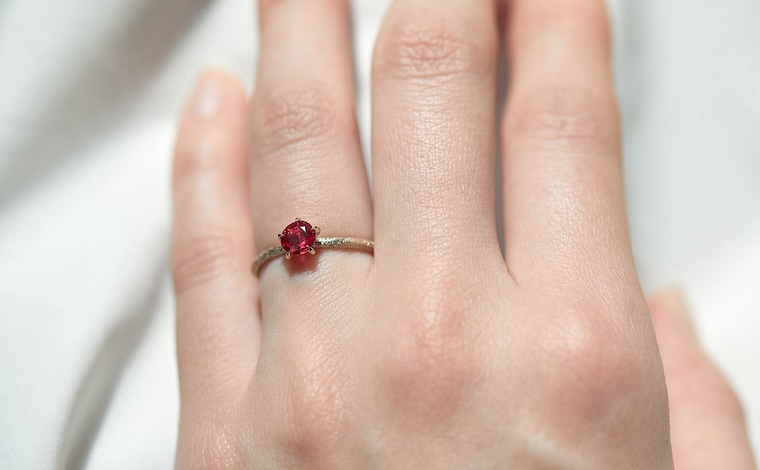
{"points": [[563, 186]]}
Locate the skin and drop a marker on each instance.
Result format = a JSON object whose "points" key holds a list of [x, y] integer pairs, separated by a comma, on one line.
{"points": [[436, 352]]}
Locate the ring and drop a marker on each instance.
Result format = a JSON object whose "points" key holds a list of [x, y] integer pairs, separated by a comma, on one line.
{"points": [[300, 238]]}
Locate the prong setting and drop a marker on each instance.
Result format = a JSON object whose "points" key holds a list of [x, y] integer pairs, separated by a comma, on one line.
{"points": [[298, 239]]}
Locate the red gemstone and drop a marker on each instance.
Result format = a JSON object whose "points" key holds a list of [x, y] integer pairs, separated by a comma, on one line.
{"points": [[298, 237]]}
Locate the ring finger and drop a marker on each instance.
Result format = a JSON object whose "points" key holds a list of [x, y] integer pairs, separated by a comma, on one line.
{"points": [[305, 152]]}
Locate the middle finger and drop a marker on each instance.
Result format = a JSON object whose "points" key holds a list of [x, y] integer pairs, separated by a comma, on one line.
{"points": [[434, 91]]}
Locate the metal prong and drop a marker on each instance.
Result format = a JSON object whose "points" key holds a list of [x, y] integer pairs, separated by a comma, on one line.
{"points": [[287, 255], [317, 230], [297, 219], [312, 251], [279, 235]]}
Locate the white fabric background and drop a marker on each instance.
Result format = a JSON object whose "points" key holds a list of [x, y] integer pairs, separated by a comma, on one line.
{"points": [[89, 94]]}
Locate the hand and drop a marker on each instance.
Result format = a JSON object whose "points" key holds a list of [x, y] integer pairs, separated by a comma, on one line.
{"points": [[435, 352]]}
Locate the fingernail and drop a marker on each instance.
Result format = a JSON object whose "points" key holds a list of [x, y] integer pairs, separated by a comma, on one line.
{"points": [[207, 97]]}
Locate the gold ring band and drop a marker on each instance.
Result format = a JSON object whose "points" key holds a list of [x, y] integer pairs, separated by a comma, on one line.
{"points": [[300, 238], [347, 243]]}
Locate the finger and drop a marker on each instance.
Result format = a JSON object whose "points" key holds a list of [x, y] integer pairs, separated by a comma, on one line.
{"points": [[563, 191], [305, 154], [305, 162], [706, 419], [212, 246], [433, 131]]}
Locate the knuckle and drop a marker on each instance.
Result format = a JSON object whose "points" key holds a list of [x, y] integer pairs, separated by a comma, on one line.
{"points": [[594, 365], [437, 48], [432, 366], [203, 258], [563, 118], [294, 117], [318, 406]]}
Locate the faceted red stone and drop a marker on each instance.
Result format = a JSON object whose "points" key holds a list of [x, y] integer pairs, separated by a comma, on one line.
{"points": [[298, 237]]}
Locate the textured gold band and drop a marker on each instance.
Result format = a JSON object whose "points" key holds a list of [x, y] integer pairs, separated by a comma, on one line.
{"points": [[346, 243]]}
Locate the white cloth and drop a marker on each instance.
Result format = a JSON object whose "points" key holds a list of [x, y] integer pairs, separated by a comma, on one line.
{"points": [[89, 94]]}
